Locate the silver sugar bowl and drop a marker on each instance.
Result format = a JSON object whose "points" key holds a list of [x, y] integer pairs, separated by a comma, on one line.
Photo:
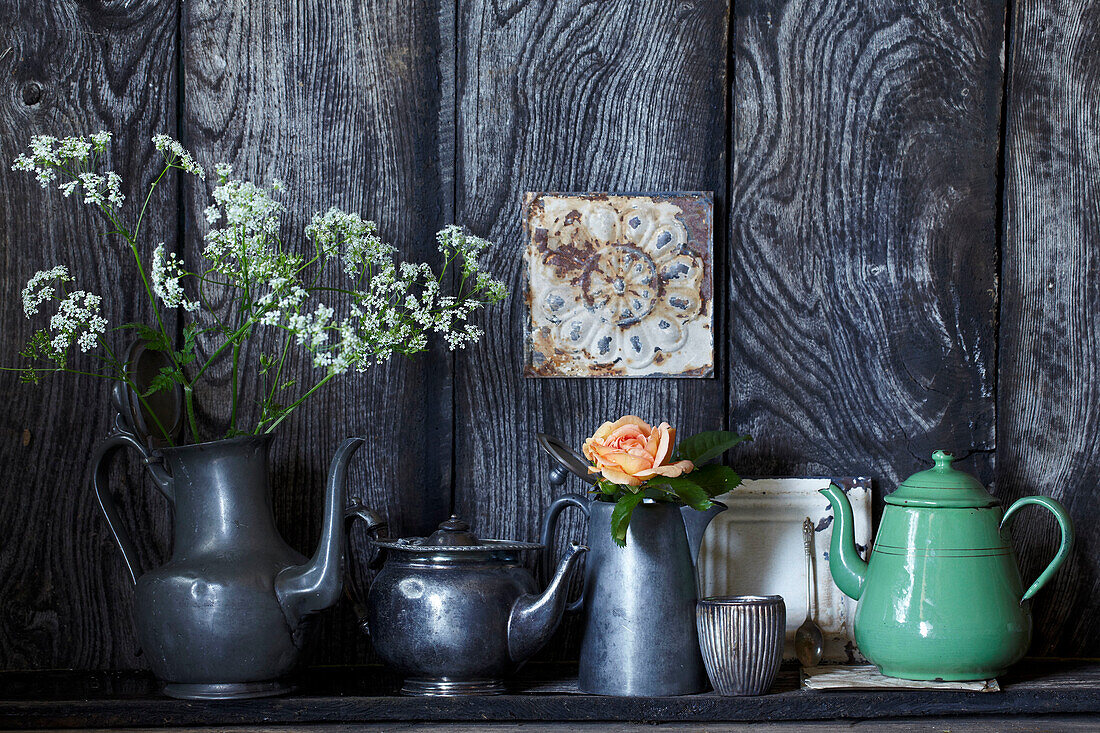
{"points": [[455, 614]]}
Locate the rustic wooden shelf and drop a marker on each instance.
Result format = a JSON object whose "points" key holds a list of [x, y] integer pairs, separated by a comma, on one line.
{"points": [[367, 694]]}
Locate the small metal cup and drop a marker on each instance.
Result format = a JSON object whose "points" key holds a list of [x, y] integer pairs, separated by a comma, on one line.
{"points": [[741, 638]]}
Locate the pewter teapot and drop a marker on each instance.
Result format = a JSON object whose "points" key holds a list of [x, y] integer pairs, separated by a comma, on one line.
{"points": [[455, 614]]}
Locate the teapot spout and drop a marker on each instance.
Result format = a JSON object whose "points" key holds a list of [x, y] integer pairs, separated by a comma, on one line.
{"points": [[849, 570], [306, 589], [534, 618], [696, 523]]}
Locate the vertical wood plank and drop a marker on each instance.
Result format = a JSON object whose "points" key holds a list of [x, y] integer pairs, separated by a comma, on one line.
{"points": [[69, 68], [571, 96], [1049, 384], [339, 100], [863, 275]]}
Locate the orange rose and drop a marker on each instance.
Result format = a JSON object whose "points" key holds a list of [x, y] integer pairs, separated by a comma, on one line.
{"points": [[629, 451]]}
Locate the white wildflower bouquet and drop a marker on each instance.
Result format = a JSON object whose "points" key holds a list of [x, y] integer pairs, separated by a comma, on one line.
{"points": [[386, 307]]}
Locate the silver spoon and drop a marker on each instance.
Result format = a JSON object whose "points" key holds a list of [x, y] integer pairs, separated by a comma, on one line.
{"points": [[808, 640]]}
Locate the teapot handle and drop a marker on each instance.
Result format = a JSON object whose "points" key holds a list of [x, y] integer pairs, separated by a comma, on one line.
{"points": [[377, 528], [549, 523], [118, 438], [1065, 524]]}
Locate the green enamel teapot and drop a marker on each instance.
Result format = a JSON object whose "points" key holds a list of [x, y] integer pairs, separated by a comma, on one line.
{"points": [[940, 597]]}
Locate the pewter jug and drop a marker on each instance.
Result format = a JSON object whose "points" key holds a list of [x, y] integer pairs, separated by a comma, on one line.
{"points": [[226, 617], [941, 596], [456, 614], [638, 602]]}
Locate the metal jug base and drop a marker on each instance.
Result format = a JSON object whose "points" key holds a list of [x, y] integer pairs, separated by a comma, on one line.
{"points": [[226, 690], [443, 687]]}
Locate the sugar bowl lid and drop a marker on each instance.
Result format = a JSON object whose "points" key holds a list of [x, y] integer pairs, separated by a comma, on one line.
{"points": [[942, 486], [453, 536]]}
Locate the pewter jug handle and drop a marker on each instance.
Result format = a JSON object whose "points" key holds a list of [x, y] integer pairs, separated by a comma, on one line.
{"points": [[122, 438], [549, 524], [1065, 524]]}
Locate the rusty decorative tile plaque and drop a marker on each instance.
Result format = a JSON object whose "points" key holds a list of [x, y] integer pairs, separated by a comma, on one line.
{"points": [[619, 285]]}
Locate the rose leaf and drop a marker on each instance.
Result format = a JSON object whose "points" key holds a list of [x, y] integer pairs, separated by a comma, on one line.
{"points": [[620, 517], [716, 479], [702, 447]]}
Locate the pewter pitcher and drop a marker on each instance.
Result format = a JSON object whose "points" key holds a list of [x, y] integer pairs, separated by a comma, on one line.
{"points": [[226, 616], [638, 602]]}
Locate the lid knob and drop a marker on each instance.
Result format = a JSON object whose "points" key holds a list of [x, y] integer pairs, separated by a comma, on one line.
{"points": [[452, 533], [943, 459]]}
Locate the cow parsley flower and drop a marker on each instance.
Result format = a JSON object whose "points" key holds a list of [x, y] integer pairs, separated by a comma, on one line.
{"points": [[245, 249], [71, 155], [455, 240], [74, 149], [177, 155], [78, 320], [351, 237], [100, 140], [165, 273], [41, 288]]}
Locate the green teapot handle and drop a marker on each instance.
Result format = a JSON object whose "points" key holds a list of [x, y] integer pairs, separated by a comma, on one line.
{"points": [[1064, 523]]}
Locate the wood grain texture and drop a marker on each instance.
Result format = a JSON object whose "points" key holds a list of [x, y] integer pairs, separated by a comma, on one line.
{"points": [[1048, 430], [67, 68], [339, 100], [571, 96], [864, 260]]}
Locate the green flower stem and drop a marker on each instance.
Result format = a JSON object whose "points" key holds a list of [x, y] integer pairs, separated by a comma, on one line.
{"points": [[217, 352], [300, 400], [137, 227], [189, 403], [279, 370], [233, 382]]}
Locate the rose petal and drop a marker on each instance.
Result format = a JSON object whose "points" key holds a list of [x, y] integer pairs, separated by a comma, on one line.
{"points": [[631, 420], [633, 464], [664, 448], [618, 477], [672, 470]]}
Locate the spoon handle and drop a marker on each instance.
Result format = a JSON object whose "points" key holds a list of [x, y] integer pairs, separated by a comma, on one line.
{"points": [[807, 543]]}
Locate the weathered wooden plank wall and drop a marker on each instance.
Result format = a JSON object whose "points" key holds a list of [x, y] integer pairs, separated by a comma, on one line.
{"points": [[1049, 381], [856, 165], [64, 595], [863, 233]]}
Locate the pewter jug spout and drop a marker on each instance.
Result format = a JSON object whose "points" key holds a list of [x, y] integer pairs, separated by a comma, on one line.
{"points": [[696, 523], [534, 618], [849, 570], [316, 585]]}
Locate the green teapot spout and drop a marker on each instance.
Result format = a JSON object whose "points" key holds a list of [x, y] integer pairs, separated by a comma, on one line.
{"points": [[848, 568]]}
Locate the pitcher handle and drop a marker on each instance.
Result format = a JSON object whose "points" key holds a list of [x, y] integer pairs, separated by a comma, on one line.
{"points": [[549, 524], [117, 439], [1065, 524]]}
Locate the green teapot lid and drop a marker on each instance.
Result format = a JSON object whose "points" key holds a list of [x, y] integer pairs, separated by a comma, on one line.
{"points": [[942, 486]]}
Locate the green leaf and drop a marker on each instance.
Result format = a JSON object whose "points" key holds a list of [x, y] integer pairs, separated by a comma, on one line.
{"points": [[163, 381], [153, 339], [703, 447], [684, 489], [620, 517], [716, 479]]}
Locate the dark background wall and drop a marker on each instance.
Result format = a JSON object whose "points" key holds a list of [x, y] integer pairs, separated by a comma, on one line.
{"points": [[907, 206]]}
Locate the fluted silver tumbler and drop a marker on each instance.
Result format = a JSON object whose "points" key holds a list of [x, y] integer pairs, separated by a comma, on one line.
{"points": [[741, 638]]}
